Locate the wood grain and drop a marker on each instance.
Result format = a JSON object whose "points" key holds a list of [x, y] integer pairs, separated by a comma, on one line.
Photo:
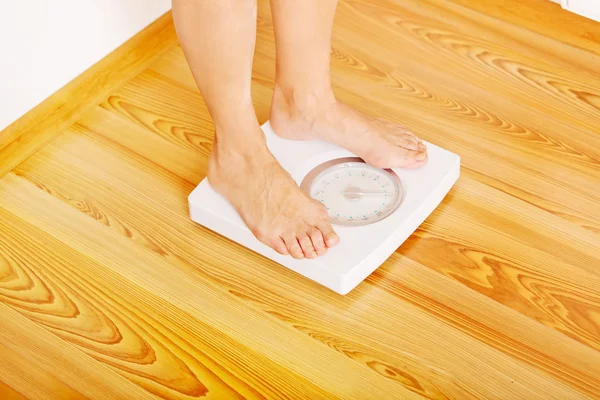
{"points": [[189, 290], [495, 296], [157, 355], [123, 217], [547, 20], [9, 393], [48, 119], [38, 365]]}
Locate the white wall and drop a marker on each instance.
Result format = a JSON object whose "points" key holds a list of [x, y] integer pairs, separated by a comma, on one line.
{"points": [[46, 43]]}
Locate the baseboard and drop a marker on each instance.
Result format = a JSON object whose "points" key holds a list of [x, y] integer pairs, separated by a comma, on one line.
{"points": [[48, 119]]}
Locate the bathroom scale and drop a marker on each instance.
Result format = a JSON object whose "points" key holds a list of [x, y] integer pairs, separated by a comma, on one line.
{"points": [[372, 210]]}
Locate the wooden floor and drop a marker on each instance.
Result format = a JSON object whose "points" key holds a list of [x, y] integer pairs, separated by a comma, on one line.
{"points": [[108, 290]]}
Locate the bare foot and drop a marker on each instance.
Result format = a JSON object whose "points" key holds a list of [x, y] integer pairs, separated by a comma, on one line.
{"points": [[378, 142], [269, 201]]}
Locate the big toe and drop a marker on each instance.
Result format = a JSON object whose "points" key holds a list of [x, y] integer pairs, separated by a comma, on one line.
{"points": [[330, 238], [399, 157], [410, 142]]}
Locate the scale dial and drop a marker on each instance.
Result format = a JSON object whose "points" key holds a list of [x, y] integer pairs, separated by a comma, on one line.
{"points": [[354, 192]]}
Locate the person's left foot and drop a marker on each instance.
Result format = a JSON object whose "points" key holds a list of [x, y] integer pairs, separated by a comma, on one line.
{"points": [[382, 144]]}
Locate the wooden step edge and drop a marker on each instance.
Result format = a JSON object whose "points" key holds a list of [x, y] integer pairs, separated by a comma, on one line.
{"points": [[47, 120]]}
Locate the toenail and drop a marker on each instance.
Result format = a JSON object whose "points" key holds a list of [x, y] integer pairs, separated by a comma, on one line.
{"points": [[421, 156], [332, 240]]}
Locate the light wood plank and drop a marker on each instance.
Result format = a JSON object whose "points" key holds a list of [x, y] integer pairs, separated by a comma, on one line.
{"points": [[130, 331], [410, 37], [186, 287], [501, 327], [136, 219], [9, 393], [546, 19], [39, 365]]}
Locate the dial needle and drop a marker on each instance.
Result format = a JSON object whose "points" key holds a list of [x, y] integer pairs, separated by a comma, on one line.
{"points": [[364, 193]]}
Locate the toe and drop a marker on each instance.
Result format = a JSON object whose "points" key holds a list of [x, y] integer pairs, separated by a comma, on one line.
{"points": [[403, 137], [317, 240], [291, 242], [415, 159], [279, 246], [408, 142], [413, 141], [276, 243], [331, 238], [307, 246], [403, 158]]}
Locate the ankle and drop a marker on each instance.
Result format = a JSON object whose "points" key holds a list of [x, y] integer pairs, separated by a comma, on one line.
{"points": [[304, 102], [237, 132], [238, 141], [233, 153]]}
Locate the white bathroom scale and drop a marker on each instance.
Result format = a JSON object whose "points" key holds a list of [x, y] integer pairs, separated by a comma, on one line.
{"points": [[372, 210]]}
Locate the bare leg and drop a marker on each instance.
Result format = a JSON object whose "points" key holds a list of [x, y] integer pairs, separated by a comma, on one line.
{"points": [[218, 37], [304, 106]]}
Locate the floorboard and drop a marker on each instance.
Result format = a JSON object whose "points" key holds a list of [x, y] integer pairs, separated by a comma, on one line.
{"points": [[109, 290]]}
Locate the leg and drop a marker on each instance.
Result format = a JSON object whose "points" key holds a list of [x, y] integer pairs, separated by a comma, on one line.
{"points": [[217, 38], [304, 106]]}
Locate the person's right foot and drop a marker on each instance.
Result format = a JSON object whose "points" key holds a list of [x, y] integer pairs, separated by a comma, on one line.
{"points": [[269, 201]]}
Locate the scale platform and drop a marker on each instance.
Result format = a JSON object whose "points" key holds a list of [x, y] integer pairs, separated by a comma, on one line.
{"points": [[372, 210]]}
